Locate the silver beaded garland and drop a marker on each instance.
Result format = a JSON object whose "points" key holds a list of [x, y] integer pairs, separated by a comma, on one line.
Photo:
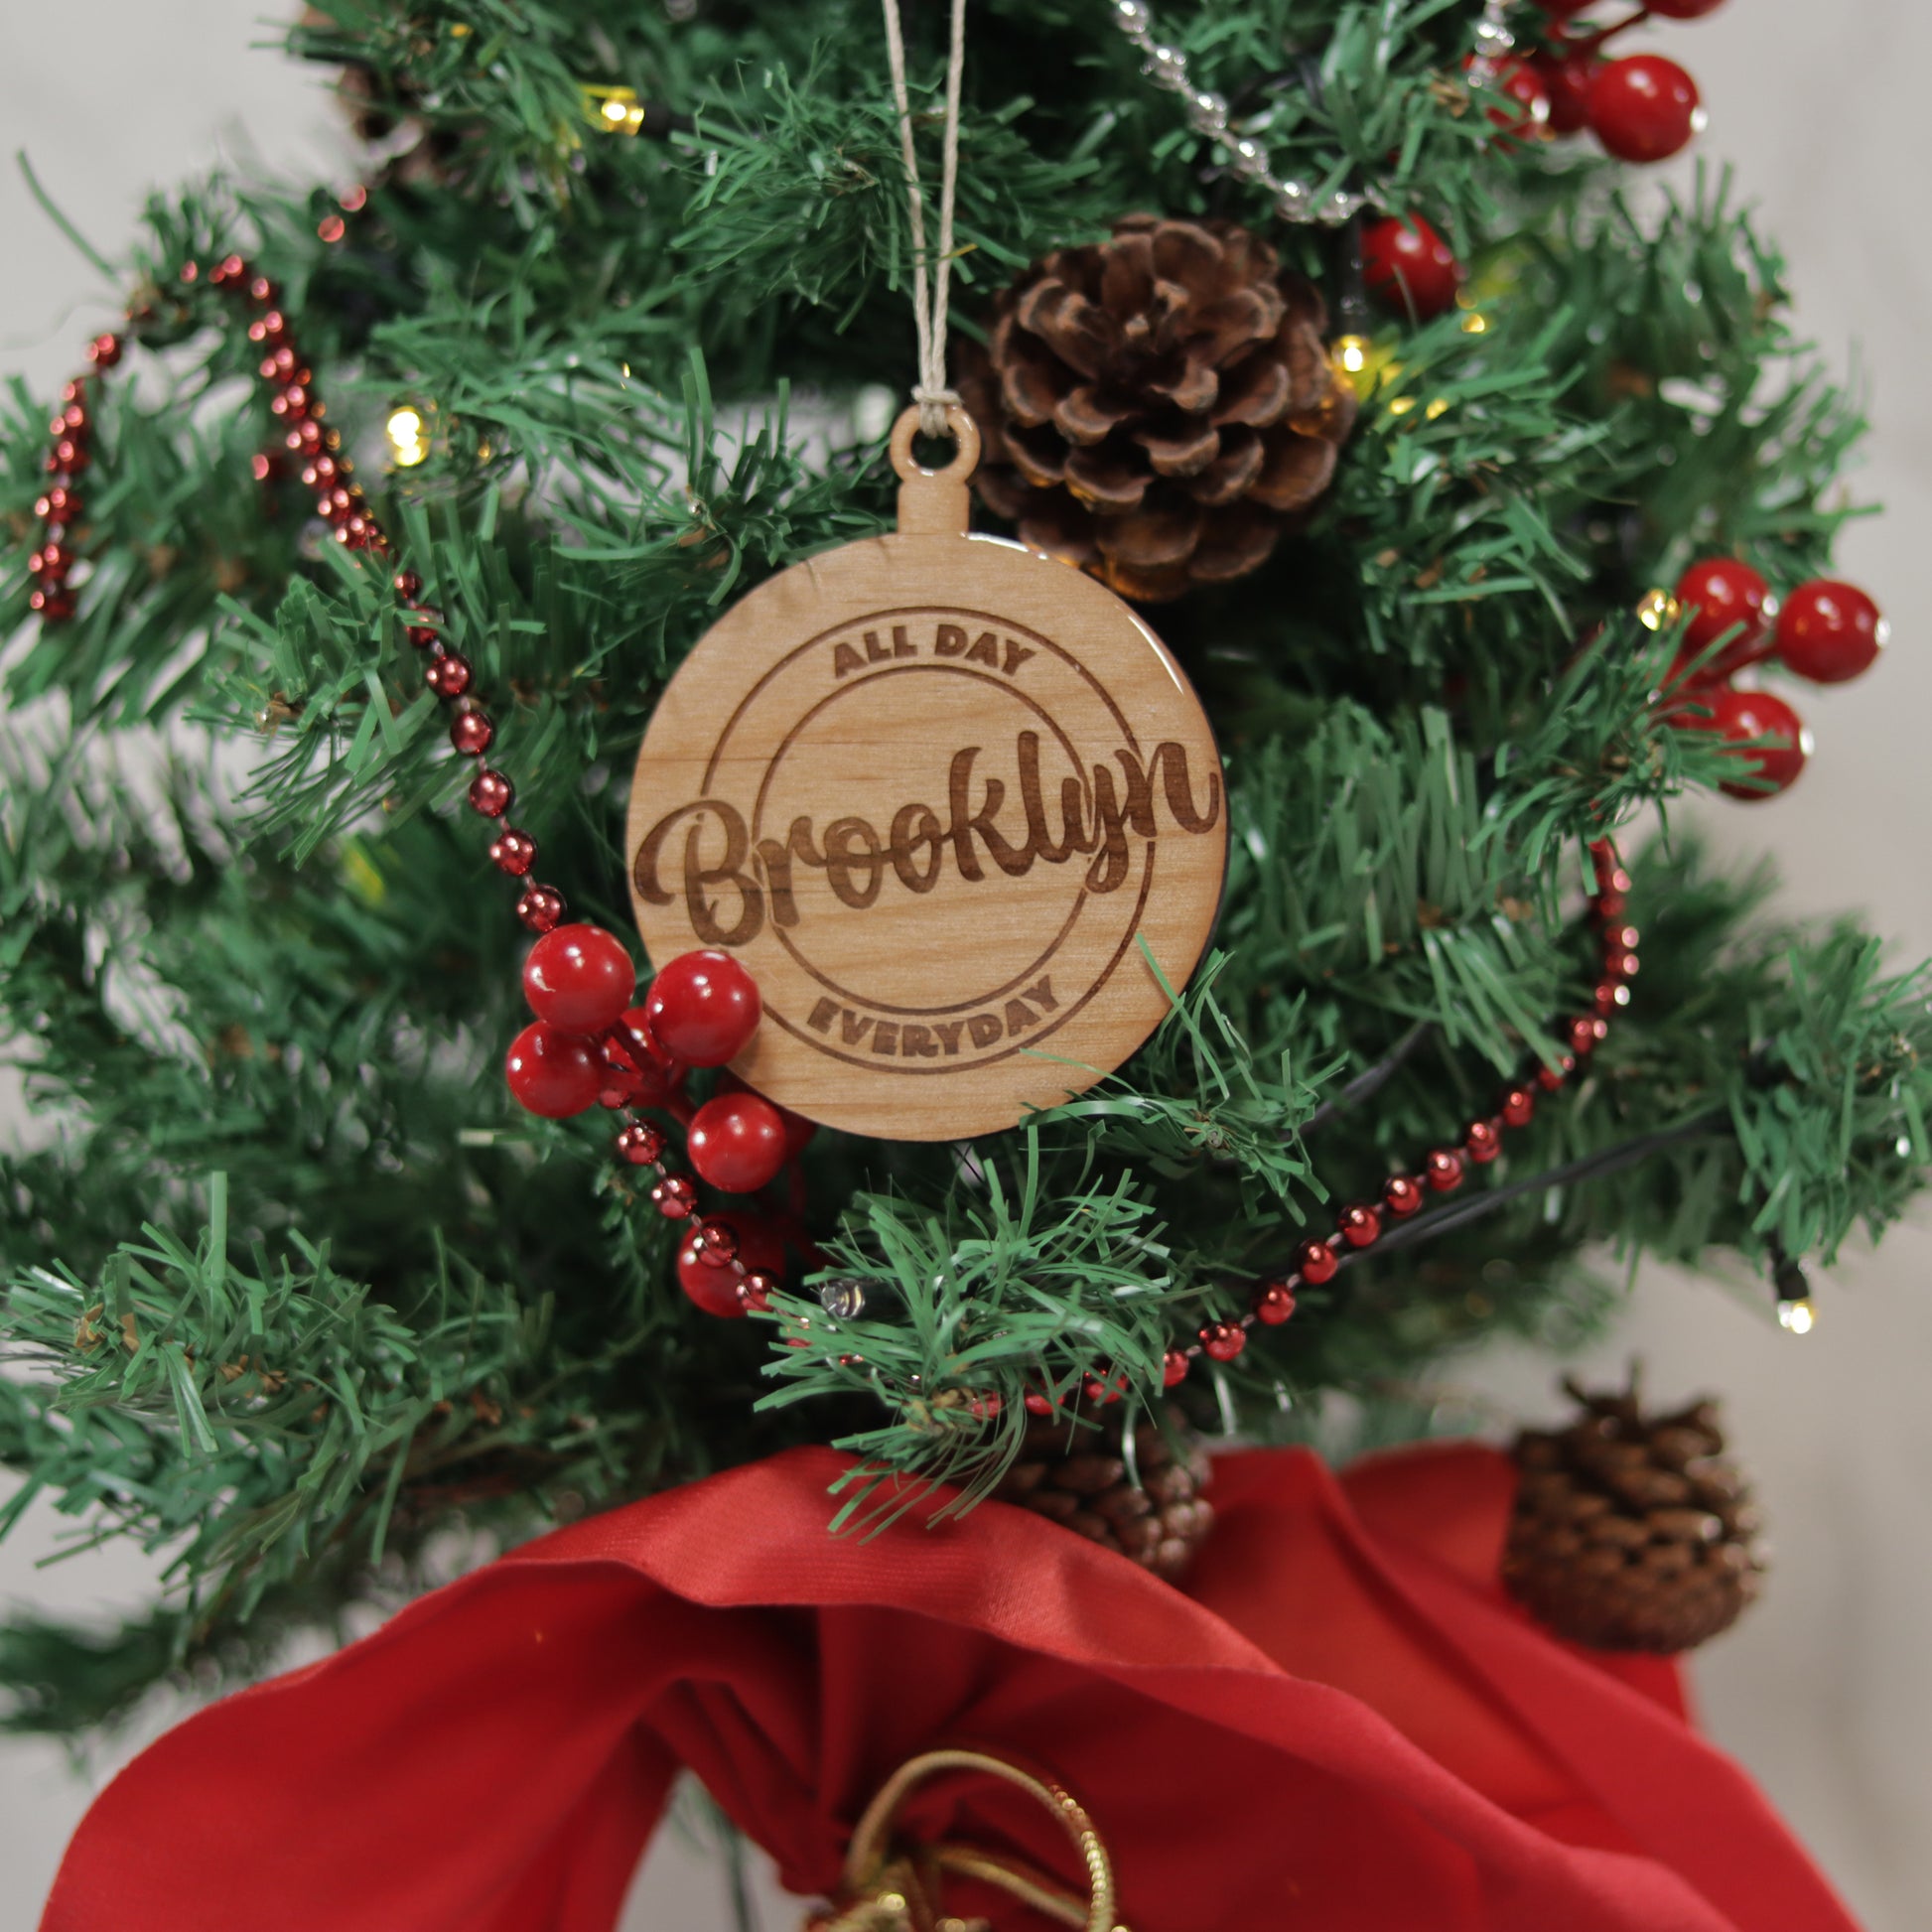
{"points": [[1248, 158]]}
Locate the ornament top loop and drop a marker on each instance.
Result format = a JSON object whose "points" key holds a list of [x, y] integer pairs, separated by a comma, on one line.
{"points": [[935, 502], [884, 1892]]}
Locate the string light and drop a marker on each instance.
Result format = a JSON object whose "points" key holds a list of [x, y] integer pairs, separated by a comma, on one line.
{"points": [[1658, 610], [1796, 1317], [408, 437]]}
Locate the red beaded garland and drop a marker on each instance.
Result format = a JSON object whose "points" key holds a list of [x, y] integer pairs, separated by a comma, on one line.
{"points": [[1223, 1340], [1173, 1368], [540, 907], [580, 978], [755, 1292], [448, 675], [1828, 632], [1643, 108], [471, 732], [552, 1072], [1483, 1142], [737, 1143], [1409, 267], [1550, 1079], [704, 1008], [705, 1254], [674, 1196], [491, 794], [1274, 1303], [1442, 1169], [1518, 1106], [512, 852]]}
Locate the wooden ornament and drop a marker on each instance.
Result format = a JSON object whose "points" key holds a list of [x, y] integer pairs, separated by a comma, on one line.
{"points": [[944, 797]]}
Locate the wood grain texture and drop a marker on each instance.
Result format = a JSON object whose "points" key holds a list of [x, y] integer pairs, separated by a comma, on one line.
{"points": [[934, 790]]}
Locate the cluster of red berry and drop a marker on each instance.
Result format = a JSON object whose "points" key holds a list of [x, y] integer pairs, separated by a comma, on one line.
{"points": [[590, 1047], [1641, 107], [1824, 631]]}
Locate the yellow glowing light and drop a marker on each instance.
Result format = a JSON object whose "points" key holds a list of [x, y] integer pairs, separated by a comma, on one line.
{"points": [[1474, 323], [616, 110], [613, 111], [1401, 405], [1351, 354], [1657, 610], [406, 433], [1796, 1317], [1435, 408]]}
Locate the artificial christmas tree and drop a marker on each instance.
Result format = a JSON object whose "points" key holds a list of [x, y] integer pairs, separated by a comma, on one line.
{"points": [[304, 1284]]}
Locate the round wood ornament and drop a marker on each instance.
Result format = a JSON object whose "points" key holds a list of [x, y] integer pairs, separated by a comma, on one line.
{"points": [[945, 798]]}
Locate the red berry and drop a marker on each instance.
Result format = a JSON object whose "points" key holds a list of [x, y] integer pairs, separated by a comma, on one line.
{"points": [[1174, 1369], [702, 1008], [1037, 1403], [1644, 107], [1744, 715], [1566, 81], [1830, 631], [1722, 595], [737, 1143], [1274, 1303], [1314, 1261], [713, 1286], [1524, 83], [1409, 267], [798, 1130], [1222, 1341], [552, 1072], [579, 977]]}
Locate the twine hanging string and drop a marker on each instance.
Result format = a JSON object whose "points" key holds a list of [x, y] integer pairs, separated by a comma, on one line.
{"points": [[931, 275]]}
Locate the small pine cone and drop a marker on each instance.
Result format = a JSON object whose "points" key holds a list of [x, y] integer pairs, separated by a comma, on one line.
{"points": [[1630, 1533], [1077, 1476], [1159, 408]]}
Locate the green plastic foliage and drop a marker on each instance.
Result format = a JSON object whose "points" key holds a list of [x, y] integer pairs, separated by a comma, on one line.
{"points": [[287, 1286]]}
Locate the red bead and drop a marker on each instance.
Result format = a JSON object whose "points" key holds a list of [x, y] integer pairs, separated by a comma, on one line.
{"points": [[579, 977], [675, 1197], [68, 455], [1518, 1107], [1274, 1303], [448, 675], [713, 1241], [1359, 1225], [711, 1285], [423, 635], [737, 1143], [1409, 267], [1644, 107], [755, 1293], [552, 1072], [1037, 1404], [1743, 715], [540, 907], [1550, 1079], [1830, 631], [704, 1008], [1722, 595], [640, 1144], [261, 288], [1222, 1341], [1483, 1142], [1587, 1032], [512, 852], [264, 468], [59, 505], [407, 584], [471, 732], [105, 350], [332, 227], [353, 200], [1565, 83], [1443, 1170], [1608, 997], [491, 794], [1174, 1369], [52, 559], [52, 606], [1102, 1390], [1316, 1263], [1400, 1196], [230, 268]]}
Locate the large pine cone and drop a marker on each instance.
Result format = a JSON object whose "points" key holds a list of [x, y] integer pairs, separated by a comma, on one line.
{"points": [[1631, 1533], [1078, 1477], [1159, 408]]}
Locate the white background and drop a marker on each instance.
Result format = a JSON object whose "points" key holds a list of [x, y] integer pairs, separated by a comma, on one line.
{"points": [[1826, 1690]]}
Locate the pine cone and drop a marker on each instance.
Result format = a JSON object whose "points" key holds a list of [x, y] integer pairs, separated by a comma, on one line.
{"points": [[1630, 1533], [1159, 408], [1078, 1477]]}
